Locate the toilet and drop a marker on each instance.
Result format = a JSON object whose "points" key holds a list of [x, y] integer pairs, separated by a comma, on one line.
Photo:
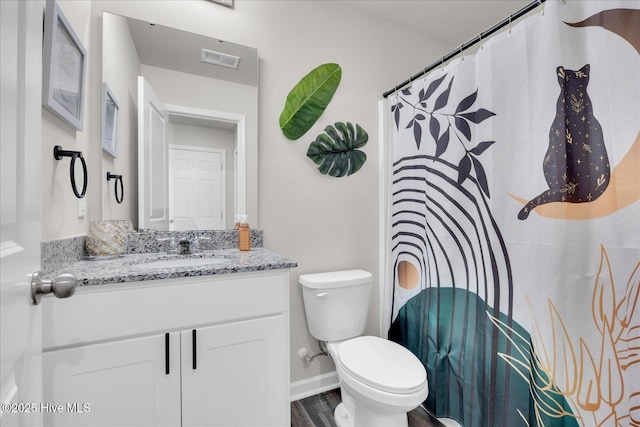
{"points": [[380, 381]]}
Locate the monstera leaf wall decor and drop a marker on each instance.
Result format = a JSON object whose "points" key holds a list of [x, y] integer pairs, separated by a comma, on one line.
{"points": [[308, 99], [336, 151]]}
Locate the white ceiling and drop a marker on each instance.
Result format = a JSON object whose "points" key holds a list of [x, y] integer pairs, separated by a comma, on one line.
{"points": [[178, 50], [451, 22]]}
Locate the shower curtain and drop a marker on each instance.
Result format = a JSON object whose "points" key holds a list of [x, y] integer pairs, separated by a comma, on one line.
{"points": [[515, 222]]}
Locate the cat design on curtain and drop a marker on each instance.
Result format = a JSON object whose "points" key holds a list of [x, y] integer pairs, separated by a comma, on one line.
{"points": [[576, 166]]}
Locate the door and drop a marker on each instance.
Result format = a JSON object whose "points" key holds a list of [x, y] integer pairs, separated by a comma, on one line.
{"points": [[134, 382], [197, 188], [233, 375], [153, 152], [20, 199]]}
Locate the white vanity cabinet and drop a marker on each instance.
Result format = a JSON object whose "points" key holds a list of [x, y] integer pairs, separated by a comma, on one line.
{"points": [[119, 383], [232, 381], [199, 351]]}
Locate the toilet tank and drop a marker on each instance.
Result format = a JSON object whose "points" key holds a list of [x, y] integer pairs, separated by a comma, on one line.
{"points": [[336, 303]]}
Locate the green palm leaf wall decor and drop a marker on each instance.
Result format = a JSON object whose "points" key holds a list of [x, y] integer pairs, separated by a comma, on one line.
{"points": [[308, 99], [336, 151]]}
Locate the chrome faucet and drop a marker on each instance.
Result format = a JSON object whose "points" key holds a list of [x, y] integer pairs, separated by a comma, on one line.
{"points": [[184, 246], [173, 244], [194, 246]]}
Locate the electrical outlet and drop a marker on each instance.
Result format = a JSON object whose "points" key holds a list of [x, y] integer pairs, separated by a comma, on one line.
{"points": [[82, 207]]}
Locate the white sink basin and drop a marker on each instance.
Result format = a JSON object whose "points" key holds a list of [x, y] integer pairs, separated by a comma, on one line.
{"points": [[181, 262]]}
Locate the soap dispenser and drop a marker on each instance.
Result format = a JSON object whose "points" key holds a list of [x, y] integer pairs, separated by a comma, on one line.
{"points": [[244, 233]]}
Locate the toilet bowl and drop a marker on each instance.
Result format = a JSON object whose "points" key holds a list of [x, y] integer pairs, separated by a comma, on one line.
{"points": [[380, 380], [384, 380]]}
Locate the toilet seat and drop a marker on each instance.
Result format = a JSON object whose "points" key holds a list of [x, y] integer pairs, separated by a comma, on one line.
{"points": [[382, 364]]}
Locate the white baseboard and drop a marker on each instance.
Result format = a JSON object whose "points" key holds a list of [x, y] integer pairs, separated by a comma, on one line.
{"points": [[312, 386]]}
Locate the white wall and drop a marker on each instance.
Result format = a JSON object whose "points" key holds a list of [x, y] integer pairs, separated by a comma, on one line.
{"points": [[323, 223], [120, 69], [59, 204]]}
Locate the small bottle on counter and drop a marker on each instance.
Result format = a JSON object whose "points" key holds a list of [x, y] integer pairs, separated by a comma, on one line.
{"points": [[244, 239], [236, 222]]}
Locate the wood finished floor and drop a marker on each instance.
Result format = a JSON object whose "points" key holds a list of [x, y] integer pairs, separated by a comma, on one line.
{"points": [[317, 411]]}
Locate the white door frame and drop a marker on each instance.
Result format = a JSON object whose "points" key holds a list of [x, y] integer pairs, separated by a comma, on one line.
{"points": [[148, 179], [240, 121]]}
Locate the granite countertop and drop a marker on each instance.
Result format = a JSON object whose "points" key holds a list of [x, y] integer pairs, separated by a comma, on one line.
{"points": [[130, 268]]}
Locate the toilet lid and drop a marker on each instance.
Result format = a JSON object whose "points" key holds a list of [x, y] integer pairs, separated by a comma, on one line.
{"points": [[382, 364]]}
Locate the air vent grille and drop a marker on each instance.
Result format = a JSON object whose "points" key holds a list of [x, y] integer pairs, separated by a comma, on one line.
{"points": [[218, 58]]}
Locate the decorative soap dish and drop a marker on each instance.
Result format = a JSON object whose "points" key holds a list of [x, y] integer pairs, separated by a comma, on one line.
{"points": [[108, 238]]}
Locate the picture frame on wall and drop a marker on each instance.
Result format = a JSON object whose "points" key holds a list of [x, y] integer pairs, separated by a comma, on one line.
{"points": [[64, 68], [110, 110]]}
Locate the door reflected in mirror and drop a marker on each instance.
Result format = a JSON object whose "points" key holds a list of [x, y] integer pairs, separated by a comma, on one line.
{"points": [[202, 159], [191, 149]]}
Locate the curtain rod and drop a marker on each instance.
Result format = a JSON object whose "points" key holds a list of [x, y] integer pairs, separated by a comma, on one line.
{"points": [[468, 44]]}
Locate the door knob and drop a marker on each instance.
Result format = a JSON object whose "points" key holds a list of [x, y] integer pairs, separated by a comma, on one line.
{"points": [[62, 286]]}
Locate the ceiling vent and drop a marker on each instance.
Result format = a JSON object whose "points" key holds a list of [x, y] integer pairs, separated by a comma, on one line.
{"points": [[218, 58]]}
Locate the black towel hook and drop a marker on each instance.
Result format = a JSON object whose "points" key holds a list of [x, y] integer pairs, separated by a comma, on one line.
{"points": [[111, 176], [58, 154]]}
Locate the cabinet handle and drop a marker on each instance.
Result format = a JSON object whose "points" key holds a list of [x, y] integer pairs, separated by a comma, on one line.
{"points": [[166, 353], [195, 360]]}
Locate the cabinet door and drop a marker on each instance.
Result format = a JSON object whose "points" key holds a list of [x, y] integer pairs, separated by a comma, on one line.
{"points": [[121, 383], [239, 376]]}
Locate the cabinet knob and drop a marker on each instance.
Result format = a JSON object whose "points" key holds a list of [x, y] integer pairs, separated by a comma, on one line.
{"points": [[62, 286]]}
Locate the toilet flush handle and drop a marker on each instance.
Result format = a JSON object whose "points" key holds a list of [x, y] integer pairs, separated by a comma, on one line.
{"points": [[322, 295]]}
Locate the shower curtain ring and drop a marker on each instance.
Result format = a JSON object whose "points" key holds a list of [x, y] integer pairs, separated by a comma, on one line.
{"points": [[540, 4], [409, 81], [509, 24], [461, 54]]}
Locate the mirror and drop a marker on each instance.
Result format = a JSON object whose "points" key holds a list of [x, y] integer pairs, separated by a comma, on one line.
{"points": [[201, 169]]}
